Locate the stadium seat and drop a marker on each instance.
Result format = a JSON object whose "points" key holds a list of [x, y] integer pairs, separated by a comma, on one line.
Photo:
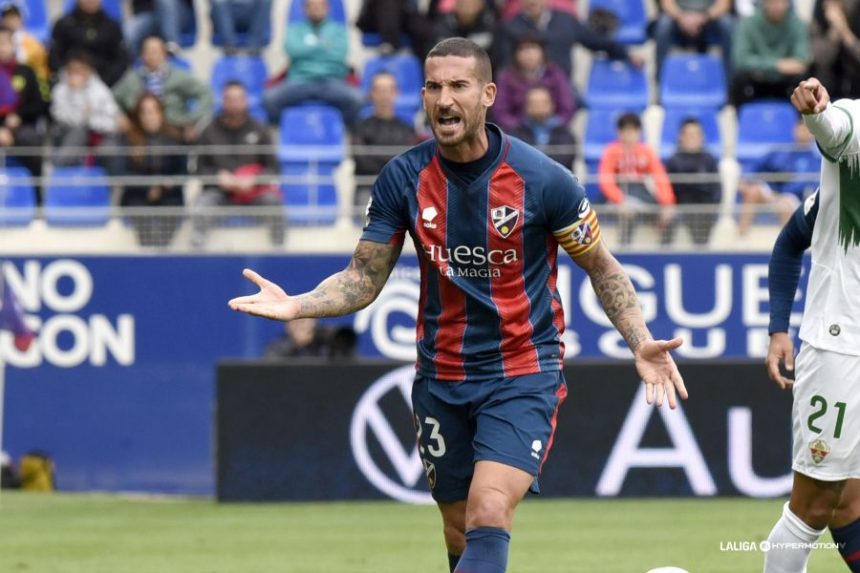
{"points": [[35, 16], [632, 19], [311, 202], [616, 84], [77, 196], [241, 36], [112, 7], [672, 120], [311, 133], [337, 12], [250, 70], [761, 126], [692, 80], [188, 34], [406, 69], [599, 131], [17, 197]]}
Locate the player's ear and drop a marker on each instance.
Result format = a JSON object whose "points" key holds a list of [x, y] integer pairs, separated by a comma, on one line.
{"points": [[489, 94]]}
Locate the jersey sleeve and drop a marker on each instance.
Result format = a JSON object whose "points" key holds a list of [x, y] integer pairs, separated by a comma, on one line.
{"points": [[835, 129], [384, 217], [571, 218]]}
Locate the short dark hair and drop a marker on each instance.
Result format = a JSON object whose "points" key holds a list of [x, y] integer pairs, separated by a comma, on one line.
{"points": [[690, 120], [465, 48], [233, 84], [80, 56], [158, 37], [9, 8], [629, 119]]}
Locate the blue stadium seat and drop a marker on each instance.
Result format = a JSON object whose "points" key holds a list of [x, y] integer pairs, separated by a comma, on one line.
{"points": [[372, 40], [241, 36], [17, 197], [311, 133], [35, 16], [188, 34], [672, 120], [692, 80], [112, 7], [311, 202], [77, 196], [406, 69], [632, 19], [250, 70], [761, 126], [337, 13], [599, 131], [616, 84]]}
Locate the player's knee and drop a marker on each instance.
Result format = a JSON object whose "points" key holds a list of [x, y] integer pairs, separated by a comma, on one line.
{"points": [[847, 512], [489, 507], [455, 537], [816, 512]]}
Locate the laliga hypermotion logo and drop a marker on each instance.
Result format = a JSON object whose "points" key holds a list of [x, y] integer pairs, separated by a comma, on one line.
{"points": [[371, 422]]}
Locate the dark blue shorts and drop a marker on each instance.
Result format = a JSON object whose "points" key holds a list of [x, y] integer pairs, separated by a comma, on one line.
{"points": [[508, 420]]}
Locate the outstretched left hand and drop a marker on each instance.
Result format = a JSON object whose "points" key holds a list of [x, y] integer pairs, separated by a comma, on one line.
{"points": [[659, 372]]}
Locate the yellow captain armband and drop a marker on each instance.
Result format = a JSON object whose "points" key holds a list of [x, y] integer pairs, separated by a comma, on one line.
{"points": [[578, 238]]}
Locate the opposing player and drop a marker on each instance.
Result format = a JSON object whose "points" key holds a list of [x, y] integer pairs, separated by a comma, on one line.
{"points": [[486, 213], [825, 419]]}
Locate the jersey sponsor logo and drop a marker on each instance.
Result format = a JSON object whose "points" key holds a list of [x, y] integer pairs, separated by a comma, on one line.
{"points": [[819, 449], [471, 262], [392, 465], [428, 214], [583, 234], [505, 219]]}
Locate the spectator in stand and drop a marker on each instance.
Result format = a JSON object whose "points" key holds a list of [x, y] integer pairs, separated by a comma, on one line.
{"points": [[84, 114], [188, 102], [836, 47], [791, 175], [692, 162], [512, 8], [232, 17], [164, 18], [382, 128], [243, 169], [88, 28], [21, 108], [542, 126], [394, 19], [29, 50], [472, 19], [317, 50], [148, 131], [632, 177], [560, 31], [530, 69], [695, 23], [770, 52], [307, 338]]}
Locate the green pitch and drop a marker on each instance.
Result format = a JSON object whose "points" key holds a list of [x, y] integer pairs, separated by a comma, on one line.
{"points": [[66, 533]]}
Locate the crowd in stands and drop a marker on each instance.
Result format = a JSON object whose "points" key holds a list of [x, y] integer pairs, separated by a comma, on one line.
{"points": [[96, 83]]}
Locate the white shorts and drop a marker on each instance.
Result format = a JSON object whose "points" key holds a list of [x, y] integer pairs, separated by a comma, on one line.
{"points": [[826, 414]]}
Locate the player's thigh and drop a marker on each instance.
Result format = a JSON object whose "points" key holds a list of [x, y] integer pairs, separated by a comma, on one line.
{"points": [[826, 415], [516, 422], [445, 435]]}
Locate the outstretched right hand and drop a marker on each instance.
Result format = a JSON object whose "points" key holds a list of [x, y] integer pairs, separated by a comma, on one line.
{"points": [[810, 97], [781, 349], [271, 302]]}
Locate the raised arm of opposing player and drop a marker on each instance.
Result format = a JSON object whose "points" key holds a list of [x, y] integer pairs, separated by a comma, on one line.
{"points": [[345, 292], [831, 125]]}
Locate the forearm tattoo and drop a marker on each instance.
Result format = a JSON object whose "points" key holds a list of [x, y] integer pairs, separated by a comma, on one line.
{"points": [[356, 286], [618, 297]]}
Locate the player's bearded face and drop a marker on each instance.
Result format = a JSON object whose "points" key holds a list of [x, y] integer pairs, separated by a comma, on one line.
{"points": [[455, 99]]}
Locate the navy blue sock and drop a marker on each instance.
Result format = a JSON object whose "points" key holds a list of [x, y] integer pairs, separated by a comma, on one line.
{"points": [[452, 562], [848, 540], [486, 551]]}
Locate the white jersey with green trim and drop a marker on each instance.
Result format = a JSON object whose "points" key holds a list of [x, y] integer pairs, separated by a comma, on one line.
{"points": [[831, 320]]}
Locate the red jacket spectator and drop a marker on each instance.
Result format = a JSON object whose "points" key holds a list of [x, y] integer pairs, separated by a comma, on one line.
{"points": [[633, 164]]}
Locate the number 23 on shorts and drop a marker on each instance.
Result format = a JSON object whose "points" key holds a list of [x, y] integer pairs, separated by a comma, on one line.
{"points": [[435, 441]]}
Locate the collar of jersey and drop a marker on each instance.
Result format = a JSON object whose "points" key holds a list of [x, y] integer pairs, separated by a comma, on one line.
{"points": [[488, 173]]}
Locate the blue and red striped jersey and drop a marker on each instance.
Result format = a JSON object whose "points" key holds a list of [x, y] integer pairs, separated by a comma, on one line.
{"points": [[489, 305]]}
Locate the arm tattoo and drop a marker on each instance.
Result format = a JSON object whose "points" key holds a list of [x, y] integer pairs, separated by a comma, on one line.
{"points": [[356, 286], [618, 298]]}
